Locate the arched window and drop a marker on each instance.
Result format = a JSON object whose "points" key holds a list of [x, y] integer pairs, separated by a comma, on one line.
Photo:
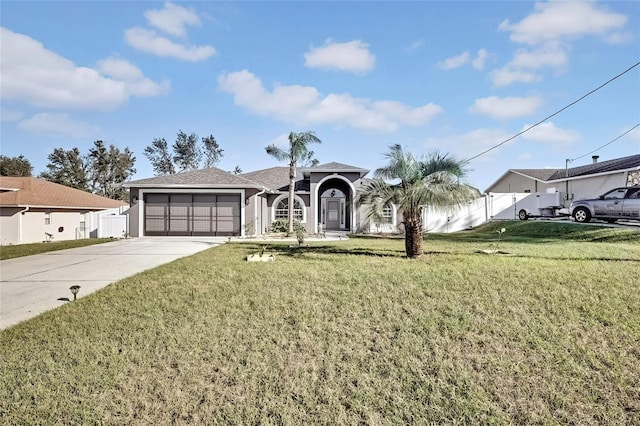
{"points": [[282, 210]]}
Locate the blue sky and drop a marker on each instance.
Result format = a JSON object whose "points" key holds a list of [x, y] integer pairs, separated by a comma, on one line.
{"points": [[458, 77]]}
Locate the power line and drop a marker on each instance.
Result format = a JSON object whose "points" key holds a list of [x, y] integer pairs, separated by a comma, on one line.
{"points": [[608, 143], [555, 113]]}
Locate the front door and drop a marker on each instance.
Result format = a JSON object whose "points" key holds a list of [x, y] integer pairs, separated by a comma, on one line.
{"points": [[333, 214]]}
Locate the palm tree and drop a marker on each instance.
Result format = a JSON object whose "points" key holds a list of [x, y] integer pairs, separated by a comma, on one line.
{"points": [[298, 151], [433, 181]]}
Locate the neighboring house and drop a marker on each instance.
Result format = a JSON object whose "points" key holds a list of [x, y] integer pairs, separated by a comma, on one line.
{"points": [[214, 202], [35, 210], [573, 183]]}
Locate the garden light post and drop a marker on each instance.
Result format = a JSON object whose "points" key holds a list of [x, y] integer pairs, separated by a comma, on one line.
{"points": [[74, 290]]}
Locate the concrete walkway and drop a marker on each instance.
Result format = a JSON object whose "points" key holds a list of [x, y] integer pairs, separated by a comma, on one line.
{"points": [[34, 284]]}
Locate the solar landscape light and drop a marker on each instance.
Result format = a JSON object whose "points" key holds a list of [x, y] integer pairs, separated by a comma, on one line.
{"points": [[74, 290]]}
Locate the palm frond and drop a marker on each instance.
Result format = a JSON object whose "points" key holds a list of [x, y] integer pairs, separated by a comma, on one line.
{"points": [[277, 152]]}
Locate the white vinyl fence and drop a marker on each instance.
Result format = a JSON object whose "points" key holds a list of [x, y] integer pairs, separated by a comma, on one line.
{"points": [[105, 223], [112, 226], [493, 206]]}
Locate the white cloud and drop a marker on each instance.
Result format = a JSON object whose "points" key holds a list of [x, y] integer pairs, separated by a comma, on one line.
{"points": [[506, 108], [9, 115], [414, 46], [135, 82], [35, 76], [556, 20], [149, 41], [468, 144], [551, 27], [463, 59], [525, 156], [549, 133], [506, 75], [49, 124], [305, 105], [549, 55], [352, 56], [620, 37], [479, 61], [454, 61], [172, 19]]}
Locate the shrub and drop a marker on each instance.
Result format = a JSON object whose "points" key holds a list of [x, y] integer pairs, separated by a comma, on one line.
{"points": [[282, 225]]}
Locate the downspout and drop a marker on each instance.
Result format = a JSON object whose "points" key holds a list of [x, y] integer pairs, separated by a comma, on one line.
{"points": [[26, 209], [255, 211]]}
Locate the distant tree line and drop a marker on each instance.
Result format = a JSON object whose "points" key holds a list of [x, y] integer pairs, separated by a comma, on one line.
{"points": [[15, 166], [101, 171], [188, 152]]}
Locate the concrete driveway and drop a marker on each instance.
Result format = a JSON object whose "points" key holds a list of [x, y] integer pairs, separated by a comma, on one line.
{"points": [[34, 284]]}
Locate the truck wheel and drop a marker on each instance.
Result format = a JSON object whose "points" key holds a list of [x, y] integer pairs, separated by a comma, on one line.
{"points": [[582, 215], [523, 215]]}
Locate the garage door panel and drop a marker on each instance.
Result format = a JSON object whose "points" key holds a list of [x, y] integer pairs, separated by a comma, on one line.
{"points": [[155, 210], [192, 214], [228, 215]]}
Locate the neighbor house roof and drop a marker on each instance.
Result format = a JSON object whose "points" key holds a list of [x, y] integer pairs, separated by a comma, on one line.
{"points": [[33, 192], [211, 177], [617, 164], [550, 175]]}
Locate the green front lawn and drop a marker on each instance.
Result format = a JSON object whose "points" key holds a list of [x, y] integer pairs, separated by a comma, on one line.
{"points": [[348, 332], [20, 250]]}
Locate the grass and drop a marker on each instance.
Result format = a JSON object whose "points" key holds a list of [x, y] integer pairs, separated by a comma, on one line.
{"points": [[20, 250], [347, 333]]}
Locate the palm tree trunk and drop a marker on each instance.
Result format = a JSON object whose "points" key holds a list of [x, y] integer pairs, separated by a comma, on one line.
{"points": [[292, 186], [413, 235]]}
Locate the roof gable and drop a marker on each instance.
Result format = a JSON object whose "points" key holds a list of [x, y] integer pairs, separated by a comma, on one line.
{"points": [[30, 191], [277, 178]]}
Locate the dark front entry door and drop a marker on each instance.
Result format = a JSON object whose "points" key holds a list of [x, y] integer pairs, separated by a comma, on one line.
{"points": [[333, 214]]}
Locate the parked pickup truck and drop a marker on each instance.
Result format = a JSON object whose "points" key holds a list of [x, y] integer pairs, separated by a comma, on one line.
{"points": [[619, 203]]}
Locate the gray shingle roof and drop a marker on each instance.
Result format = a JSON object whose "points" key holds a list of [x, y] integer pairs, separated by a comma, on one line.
{"points": [[336, 166], [541, 174], [277, 178], [204, 177], [623, 163]]}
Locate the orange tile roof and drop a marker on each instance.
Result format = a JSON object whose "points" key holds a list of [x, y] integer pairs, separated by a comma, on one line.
{"points": [[30, 191]]}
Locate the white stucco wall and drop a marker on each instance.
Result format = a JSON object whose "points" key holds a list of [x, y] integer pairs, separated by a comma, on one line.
{"points": [[9, 225], [68, 221], [594, 186]]}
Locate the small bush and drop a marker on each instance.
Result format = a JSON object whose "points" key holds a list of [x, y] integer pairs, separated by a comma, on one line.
{"points": [[282, 225]]}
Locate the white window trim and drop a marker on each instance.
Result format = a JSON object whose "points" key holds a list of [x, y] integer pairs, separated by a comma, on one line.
{"points": [[297, 198]]}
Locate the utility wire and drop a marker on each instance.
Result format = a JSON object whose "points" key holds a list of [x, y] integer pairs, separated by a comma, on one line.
{"points": [[608, 143], [554, 114]]}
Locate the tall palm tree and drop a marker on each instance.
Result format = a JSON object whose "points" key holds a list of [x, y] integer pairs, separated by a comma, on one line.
{"points": [[433, 181], [298, 151]]}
